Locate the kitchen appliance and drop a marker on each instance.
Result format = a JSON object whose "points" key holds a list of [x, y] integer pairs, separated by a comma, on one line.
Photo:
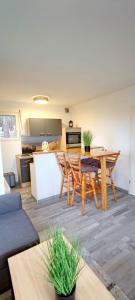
{"points": [[73, 137], [23, 169]]}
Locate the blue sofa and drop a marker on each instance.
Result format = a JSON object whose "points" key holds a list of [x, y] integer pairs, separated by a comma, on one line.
{"points": [[16, 234]]}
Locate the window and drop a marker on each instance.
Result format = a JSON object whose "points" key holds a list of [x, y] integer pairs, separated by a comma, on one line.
{"points": [[8, 125]]}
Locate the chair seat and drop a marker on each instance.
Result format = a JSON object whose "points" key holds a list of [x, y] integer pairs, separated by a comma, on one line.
{"points": [[90, 161], [96, 163], [17, 234], [87, 169]]}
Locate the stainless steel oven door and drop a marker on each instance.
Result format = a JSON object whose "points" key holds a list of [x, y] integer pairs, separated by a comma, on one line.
{"points": [[73, 139], [73, 145]]}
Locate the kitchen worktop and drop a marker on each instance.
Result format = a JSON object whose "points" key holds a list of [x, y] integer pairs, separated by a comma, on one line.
{"points": [[24, 156], [74, 150], [79, 151], [95, 152]]}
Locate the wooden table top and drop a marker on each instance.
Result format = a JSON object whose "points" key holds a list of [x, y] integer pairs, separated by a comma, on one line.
{"points": [[29, 278], [93, 153]]}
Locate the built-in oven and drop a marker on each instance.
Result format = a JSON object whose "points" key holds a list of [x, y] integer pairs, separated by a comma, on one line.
{"points": [[73, 137]]}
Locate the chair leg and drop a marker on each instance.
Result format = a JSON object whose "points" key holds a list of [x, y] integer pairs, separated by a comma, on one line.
{"points": [[94, 192], [68, 187], [12, 294], [97, 183], [73, 194], [62, 184], [72, 177], [113, 185], [88, 179]]}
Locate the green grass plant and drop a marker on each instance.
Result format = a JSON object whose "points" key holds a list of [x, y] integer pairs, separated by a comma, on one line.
{"points": [[87, 138], [62, 263]]}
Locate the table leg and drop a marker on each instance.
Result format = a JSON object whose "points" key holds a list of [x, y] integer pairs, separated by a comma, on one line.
{"points": [[12, 294], [83, 192], [103, 182]]}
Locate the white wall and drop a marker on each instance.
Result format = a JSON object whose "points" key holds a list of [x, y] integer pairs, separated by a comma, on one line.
{"points": [[12, 147], [109, 119], [9, 150], [2, 186]]}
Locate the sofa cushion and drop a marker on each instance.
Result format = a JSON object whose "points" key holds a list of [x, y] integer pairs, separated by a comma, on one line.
{"points": [[10, 202], [16, 234]]}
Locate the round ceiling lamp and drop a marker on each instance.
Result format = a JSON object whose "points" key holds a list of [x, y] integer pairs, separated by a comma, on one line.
{"points": [[40, 99]]}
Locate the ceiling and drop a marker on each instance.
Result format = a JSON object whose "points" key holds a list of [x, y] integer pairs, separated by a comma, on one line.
{"points": [[70, 50]]}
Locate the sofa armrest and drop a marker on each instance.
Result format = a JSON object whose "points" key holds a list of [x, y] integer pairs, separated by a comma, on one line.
{"points": [[10, 202]]}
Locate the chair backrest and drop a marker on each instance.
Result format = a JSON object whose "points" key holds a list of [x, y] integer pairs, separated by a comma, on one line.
{"points": [[113, 158], [75, 165], [60, 156]]}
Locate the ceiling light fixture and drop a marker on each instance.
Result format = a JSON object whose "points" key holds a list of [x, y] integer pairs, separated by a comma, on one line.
{"points": [[40, 99]]}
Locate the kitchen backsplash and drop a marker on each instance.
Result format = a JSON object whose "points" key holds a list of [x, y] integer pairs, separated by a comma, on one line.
{"points": [[33, 140]]}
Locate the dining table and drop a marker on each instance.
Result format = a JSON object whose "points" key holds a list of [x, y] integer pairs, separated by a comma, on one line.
{"points": [[102, 156]]}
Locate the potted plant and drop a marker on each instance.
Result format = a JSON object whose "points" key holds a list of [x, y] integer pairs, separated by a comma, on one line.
{"points": [[87, 140], [63, 266]]}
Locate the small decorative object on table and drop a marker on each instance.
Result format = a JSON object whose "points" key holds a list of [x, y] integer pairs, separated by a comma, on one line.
{"points": [[87, 140], [45, 146], [63, 264]]}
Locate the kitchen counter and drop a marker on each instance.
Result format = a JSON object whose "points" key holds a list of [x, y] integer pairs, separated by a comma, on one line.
{"points": [[23, 156], [72, 150], [45, 175], [96, 152]]}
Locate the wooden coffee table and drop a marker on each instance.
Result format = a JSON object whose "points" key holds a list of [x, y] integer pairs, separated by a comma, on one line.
{"points": [[29, 278]]}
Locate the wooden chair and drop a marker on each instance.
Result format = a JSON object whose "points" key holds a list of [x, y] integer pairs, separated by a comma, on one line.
{"points": [[83, 181], [110, 165], [65, 171]]}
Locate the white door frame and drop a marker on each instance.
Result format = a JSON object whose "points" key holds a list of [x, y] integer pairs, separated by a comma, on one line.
{"points": [[132, 152]]}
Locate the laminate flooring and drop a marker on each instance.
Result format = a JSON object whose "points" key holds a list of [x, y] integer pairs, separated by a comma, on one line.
{"points": [[107, 239]]}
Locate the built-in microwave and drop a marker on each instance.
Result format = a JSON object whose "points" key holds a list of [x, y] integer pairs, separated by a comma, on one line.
{"points": [[73, 137]]}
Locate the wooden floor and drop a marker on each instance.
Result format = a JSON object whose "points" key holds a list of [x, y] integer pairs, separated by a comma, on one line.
{"points": [[107, 238]]}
